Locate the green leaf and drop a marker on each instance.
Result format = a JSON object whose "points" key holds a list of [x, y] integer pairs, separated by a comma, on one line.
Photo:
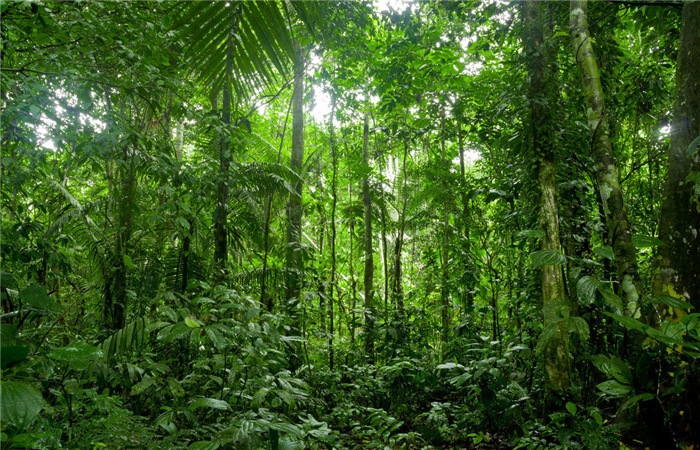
{"points": [[585, 289], [619, 370], [693, 147], [175, 387], [636, 399], [8, 334], [537, 234], [6, 279], [610, 297], [191, 322], [38, 299], [628, 322], [605, 251], [20, 403], [673, 302], [203, 445], [571, 408], [579, 326], [450, 365], [546, 338], [614, 388], [217, 339], [287, 428], [142, 385], [128, 262], [641, 241], [12, 354], [76, 352], [547, 258], [209, 403]]}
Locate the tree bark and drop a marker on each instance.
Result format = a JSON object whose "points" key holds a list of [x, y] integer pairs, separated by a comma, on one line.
{"points": [[221, 211], [294, 261], [606, 171], [369, 251], [678, 263], [554, 302], [334, 194]]}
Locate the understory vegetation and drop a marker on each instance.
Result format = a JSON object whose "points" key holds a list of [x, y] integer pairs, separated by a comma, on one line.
{"points": [[350, 225]]}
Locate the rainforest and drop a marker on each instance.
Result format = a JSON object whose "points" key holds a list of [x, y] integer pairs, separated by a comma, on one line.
{"points": [[388, 224]]}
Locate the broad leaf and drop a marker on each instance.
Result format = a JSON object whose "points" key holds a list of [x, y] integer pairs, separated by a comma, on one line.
{"points": [[641, 241], [128, 262], [673, 302], [605, 251], [76, 352], [20, 403], [209, 403], [547, 258], [693, 148], [610, 297], [614, 388], [204, 445], [628, 322], [287, 428], [585, 289], [8, 334], [636, 399], [12, 354], [546, 338], [537, 234], [38, 299], [6, 279], [579, 326]]}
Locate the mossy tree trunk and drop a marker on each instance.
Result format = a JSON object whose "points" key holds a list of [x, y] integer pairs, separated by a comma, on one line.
{"points": [[606, 171], [294, 260], [369, 251], [678, 263], [542, 135]]}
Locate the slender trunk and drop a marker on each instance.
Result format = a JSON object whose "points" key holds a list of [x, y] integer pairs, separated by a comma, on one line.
{"points": [[607, 173], [445, 250], [221, 211], [125, 216], [397, 288], [369, 250], [266, 299], [678, 263], [385, 257], [556, 355], [334, 194], [294, 260], [353, 282]]}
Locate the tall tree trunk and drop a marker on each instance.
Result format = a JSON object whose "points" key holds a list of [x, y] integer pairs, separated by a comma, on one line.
{"points": [[266, 299], [556, 355], [678, 263], [294, 260], [397, 286], [607, 174], [125, 215], [677, 270], [445, 306], [334, 194], [369, 250], [221, 211]]}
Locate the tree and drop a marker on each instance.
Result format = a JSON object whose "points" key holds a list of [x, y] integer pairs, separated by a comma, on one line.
{"points": [[369, 249], [606, 170], [294, 207], [543, 143], [677, 264]]}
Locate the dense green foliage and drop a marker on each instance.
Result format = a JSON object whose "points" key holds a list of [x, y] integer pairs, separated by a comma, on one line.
{"points": [[159, 290]]}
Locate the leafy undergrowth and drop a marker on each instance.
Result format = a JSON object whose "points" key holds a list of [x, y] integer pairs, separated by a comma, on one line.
{"points": [[212, 371]]}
